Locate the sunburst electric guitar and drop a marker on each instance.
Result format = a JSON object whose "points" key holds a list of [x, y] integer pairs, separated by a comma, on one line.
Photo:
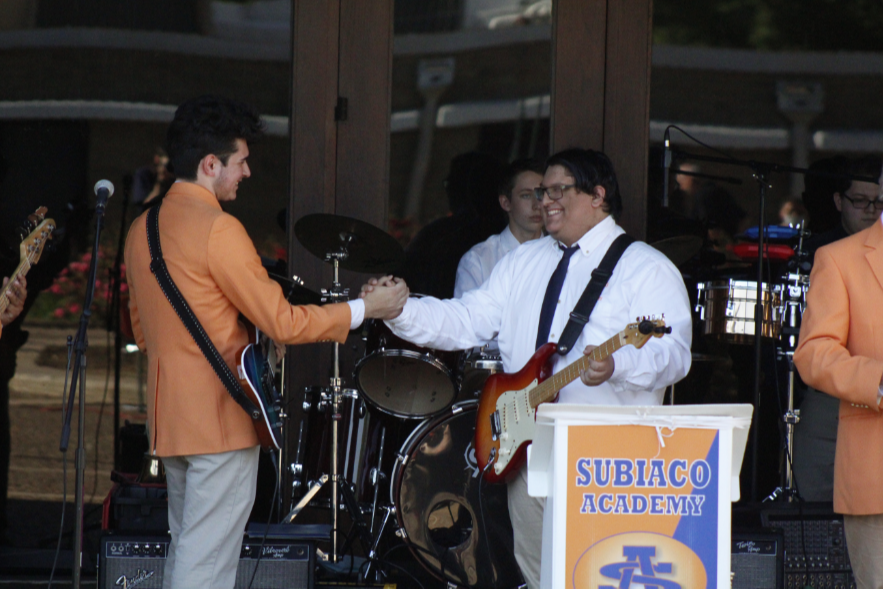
{"points": [[255, 368], [507, 409], [30, 250]]}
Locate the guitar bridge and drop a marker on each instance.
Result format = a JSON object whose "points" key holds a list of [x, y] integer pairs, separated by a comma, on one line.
{"points": [[496, 426]]}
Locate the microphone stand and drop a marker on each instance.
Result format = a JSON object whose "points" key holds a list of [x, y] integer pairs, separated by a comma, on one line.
{"points": [[761, 172], [78, 377]]}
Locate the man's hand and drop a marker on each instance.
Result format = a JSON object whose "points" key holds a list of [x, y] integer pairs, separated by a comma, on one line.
{"points": [[384, 298], [16, 295], [598, 371]]}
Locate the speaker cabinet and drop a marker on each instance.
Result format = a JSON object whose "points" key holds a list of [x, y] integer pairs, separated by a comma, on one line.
{"points": [[139, 561], [757, 560]]}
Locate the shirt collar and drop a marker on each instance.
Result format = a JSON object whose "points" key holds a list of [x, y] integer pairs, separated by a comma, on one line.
{"points": [[508, 240], [182, 188], [595, 236]]}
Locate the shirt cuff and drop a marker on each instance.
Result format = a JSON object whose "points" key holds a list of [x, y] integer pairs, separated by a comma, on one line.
{"points": [[879, 394], [622, 365], [357, 309]]}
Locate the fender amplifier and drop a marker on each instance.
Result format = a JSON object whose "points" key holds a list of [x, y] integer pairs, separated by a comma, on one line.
{"points": [[127, 561]]}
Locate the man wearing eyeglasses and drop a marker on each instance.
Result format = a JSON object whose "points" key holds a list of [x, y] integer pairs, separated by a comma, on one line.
{"points": [[815, 436], [580, 199], [841, 352], [525, 223]]}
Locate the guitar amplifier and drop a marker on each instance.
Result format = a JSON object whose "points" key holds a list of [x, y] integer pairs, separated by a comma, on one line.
{"points": [[139, 561], [815, 545], [757, 560]]}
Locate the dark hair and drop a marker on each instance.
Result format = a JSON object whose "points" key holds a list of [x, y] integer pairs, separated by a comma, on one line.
{"points": [[589, 169], [818, 193], [510, 176], [866, 165], [209, 125], [472, 184]]}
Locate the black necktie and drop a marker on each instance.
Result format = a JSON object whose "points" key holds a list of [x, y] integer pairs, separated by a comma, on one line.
{"points": [[553, 291]]}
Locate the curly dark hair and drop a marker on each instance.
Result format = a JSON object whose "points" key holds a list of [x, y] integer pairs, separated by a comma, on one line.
{"points": [[209, 125], [589, 169]]}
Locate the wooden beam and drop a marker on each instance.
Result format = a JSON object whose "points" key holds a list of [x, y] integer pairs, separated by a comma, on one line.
{"points": [[601, 90], [627, 105], [579, 29]]}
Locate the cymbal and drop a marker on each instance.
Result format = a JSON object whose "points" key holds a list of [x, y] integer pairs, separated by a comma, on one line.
{"points": [[366, 248], [679, 249], [296, 293]]}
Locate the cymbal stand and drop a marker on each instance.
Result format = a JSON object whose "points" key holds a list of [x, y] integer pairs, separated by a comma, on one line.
{"points": [[335, 295]]}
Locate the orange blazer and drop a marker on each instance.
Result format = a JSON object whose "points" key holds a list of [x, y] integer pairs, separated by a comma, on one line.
{"points": [[215, 266], [841, 353]]}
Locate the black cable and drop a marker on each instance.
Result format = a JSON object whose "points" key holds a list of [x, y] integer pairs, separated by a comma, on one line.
{"points": [[63, 468], [269, 519], [407, 572], [705, 145]]}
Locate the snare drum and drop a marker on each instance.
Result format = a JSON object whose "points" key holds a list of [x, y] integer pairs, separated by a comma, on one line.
{"points": [[402, 379], [727, 309], [475, 368], [442, 509]]}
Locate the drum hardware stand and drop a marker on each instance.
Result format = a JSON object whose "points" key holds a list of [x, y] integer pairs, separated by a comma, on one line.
{"points": [[785, 350], [372, 555], [375, 476], [339, 486]]}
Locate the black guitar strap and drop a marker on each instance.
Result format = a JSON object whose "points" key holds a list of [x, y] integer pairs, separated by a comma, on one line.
{"points": [[179, 304], [586, 304]]}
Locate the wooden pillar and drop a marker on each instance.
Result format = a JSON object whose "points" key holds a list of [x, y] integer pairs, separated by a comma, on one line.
{"points": [[340, 113], [601, 90]]}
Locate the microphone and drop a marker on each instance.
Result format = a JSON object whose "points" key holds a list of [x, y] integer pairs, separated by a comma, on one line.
{"points": [[666, 164], [103, 190]]}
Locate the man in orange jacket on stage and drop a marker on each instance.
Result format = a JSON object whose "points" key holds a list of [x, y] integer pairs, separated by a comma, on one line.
{"points": [[206, 440]]}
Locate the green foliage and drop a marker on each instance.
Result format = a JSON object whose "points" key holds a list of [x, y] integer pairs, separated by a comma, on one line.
{"points": [[807, 25]]}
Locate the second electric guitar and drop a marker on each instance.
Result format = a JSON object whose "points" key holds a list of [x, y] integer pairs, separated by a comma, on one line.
{"points": [[507, 409]]}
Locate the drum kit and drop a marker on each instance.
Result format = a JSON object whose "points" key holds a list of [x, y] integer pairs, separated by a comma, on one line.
{"points": [[396, 451], [728, 309]]}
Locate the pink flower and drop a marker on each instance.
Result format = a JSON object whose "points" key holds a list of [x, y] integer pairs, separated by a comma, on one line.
{"points": [[124, 287], [58, 312], [64, 272], [87, 257], [97, 283], [73, 308], [56, 289]]}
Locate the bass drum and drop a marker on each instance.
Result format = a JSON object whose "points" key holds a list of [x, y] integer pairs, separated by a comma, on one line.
{"points": [[458, 529]]}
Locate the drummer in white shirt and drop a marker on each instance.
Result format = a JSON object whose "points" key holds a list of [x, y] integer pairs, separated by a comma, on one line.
{"points": [[525, 223], [580, 199]]}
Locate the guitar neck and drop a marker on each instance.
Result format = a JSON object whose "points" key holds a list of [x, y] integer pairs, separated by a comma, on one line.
{"points": [[22, 270], [546, 390]]}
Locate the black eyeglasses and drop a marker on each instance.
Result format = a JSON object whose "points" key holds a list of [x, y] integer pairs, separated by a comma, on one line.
{"points": [[553, 192], [864, 203]]}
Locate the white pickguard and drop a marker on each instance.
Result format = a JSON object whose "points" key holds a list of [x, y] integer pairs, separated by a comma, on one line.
{"points": [[517, 423]]}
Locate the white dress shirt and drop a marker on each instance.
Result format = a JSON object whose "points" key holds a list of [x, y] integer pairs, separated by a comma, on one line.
{"points": [[476, 265], [507, 306]]}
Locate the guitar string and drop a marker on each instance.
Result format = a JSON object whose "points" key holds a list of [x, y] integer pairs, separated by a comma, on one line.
{"points": [[546, 390]]}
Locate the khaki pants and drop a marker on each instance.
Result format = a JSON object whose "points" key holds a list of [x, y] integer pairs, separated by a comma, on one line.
{"points": [[210, 499], [864, 541], [526, 513]]}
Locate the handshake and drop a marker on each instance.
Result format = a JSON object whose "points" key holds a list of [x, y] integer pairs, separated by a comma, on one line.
{"points": [[384, 297]]}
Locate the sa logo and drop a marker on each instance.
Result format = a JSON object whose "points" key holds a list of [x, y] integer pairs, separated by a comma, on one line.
{"points": [[639, 559]]}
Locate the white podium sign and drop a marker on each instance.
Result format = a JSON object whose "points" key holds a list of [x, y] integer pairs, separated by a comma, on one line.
{"points": [[637, 496]]}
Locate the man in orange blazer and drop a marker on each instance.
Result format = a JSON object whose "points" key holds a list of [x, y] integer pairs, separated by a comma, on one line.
{"points": [[207, 442], [841, 352]]}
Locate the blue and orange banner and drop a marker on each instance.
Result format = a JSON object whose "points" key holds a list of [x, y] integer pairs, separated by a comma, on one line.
{"points": [[642, 507]]}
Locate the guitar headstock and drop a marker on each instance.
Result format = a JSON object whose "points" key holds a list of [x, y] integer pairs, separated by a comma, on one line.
{"points": [[643, 329], [32, 245]]}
